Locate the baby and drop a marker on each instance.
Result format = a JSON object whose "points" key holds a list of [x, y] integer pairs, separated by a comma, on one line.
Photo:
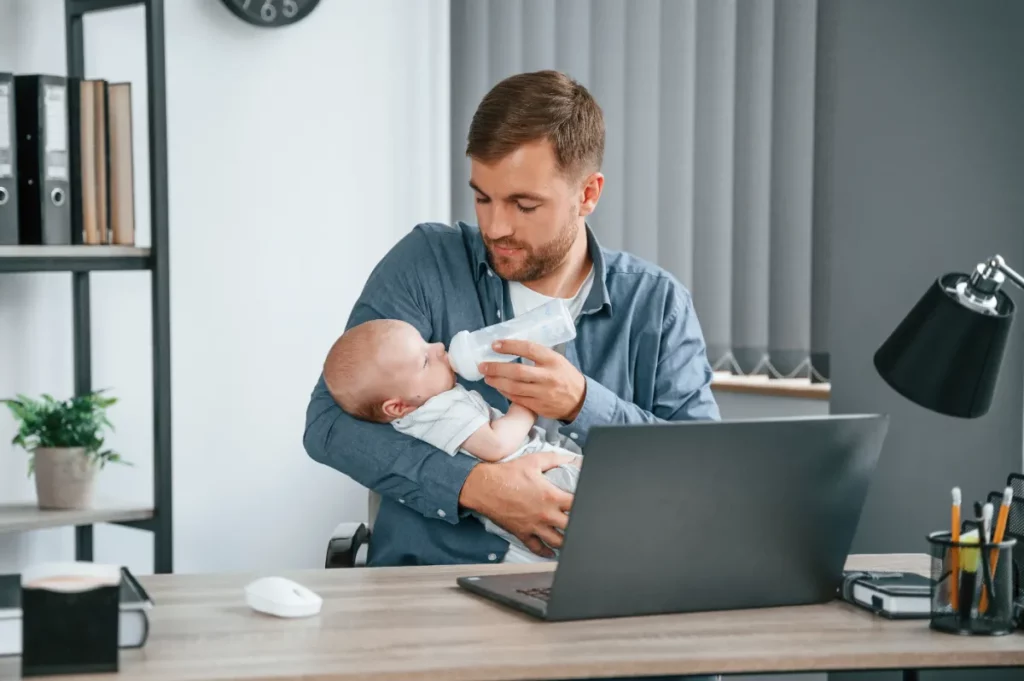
{"points": [[384, 372]]}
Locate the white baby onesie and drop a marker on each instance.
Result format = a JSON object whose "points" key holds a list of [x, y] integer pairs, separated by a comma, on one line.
{"points": [[448, 419]]}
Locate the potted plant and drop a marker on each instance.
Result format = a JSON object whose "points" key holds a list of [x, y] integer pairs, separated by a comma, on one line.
{"points": [[65, 445]]}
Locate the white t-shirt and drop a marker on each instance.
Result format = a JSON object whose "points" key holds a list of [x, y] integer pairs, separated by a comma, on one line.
{"points": [[525, 299]]}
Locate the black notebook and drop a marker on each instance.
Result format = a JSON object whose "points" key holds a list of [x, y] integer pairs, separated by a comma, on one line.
{"points": [[896, 595], [133, 627]]}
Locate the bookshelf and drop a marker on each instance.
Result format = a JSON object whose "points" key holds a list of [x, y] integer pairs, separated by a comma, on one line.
{"points": [[73, 258], [80, 261], [23, 517]]}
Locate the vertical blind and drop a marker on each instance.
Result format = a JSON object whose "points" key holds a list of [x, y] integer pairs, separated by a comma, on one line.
{"points": [[709, 157]]}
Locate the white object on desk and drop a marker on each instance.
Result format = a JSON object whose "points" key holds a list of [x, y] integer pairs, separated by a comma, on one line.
{"points": [[281, 597]]}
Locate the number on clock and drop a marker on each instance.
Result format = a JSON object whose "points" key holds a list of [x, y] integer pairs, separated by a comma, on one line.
{"points": [[271, 13]]}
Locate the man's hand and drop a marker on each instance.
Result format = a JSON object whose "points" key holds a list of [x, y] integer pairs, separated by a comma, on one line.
{"points": [[518, 497], [553, 388]]}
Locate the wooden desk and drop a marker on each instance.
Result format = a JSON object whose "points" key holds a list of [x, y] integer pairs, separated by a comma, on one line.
{"points": [[413, 623]]}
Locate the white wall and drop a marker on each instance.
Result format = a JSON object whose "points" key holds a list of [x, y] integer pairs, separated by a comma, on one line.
{"points": [[297, 157]]}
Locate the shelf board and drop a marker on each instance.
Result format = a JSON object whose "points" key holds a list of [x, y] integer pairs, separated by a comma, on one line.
{"points": [[72, 258], [799, 388], [28, 516], [80, 7]]}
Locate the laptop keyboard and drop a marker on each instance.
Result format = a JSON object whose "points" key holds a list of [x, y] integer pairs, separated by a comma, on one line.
{"points": [[542, 593]]}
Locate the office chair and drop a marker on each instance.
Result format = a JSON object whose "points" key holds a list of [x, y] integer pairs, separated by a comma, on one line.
{"points": [[350, 542]]}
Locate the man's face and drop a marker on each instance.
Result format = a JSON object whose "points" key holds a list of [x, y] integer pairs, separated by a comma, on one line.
{"points": [[528, 211]]}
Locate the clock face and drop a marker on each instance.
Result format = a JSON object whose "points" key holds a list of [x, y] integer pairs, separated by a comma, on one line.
{"points": [[271, 13]]}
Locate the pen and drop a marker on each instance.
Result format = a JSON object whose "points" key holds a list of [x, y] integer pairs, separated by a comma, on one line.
{"points": [[1004, 514], [986, 538], [954, 594]]}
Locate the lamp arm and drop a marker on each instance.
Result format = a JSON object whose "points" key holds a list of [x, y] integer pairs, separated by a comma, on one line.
{"points": [[998, 262]]}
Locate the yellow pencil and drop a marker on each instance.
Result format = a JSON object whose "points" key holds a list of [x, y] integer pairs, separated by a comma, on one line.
{"points": [[954, 590], [1004, 514]]}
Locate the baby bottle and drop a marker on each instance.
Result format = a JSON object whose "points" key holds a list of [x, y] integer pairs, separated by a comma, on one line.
{"points": [[548, 325]]}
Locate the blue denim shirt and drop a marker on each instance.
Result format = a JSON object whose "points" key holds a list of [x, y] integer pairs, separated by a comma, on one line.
{"points": [[638, 343]]}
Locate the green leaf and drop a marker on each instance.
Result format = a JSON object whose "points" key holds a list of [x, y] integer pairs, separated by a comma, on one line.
{"points": [[78, 421]]}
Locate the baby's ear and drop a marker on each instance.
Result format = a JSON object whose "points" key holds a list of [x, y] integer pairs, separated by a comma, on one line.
{"points": [[396, 408]]}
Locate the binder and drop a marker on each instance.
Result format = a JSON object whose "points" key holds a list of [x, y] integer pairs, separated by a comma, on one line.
{"points": [[8, 164], [44, 183]]}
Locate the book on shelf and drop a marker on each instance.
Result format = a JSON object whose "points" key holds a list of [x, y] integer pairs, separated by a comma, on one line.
{"points": [[121, 169], [100, 115], [73, 167], [133, 627]]}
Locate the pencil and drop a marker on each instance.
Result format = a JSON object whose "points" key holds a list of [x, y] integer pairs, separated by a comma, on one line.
{"points": [[954, 591], [1004, 514]]}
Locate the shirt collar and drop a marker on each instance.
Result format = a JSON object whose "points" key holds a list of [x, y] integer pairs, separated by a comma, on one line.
{"points": [[598, 298]]}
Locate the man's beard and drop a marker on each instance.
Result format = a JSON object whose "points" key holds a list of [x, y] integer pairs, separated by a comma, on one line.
{"points": [[536, 263]]}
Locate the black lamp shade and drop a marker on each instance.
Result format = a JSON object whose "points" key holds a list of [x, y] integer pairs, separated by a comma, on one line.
{"points": [[945, 355]]}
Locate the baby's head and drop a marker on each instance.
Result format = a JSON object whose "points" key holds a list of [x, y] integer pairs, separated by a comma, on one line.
{"points": [[382, 369]]}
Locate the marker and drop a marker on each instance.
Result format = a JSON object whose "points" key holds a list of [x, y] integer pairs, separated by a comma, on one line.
{"points": [[969, 565], [954, 591], [1004, 514], [986, 538]]}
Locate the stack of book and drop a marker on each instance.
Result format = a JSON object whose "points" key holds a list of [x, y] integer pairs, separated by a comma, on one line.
{"points": [[133, 625], [66, 165]]}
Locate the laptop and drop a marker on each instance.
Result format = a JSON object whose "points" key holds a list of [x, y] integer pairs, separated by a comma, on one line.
{"points": [[704, 515]]}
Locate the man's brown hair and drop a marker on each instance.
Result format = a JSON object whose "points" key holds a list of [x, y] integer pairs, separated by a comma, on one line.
{"points": [[529, 107]]}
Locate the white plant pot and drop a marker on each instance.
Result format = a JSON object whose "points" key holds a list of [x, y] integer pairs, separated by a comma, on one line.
{"points": [[64, 477]]}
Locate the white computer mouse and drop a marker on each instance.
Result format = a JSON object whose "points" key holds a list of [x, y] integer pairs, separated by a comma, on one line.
{"points": [[281, 597]]}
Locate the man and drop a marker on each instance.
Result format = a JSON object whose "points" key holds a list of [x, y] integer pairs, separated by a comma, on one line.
{"points": [[536, 144]]}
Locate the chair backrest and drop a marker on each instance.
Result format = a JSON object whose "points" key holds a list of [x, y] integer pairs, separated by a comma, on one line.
{"points": [[373, 505]]}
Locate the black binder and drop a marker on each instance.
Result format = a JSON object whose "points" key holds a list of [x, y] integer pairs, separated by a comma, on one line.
{"points": [[44, 182], [8, 163]]}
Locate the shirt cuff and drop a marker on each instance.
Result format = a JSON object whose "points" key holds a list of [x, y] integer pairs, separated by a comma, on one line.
{"points": [[598, 408], [441, 479]]}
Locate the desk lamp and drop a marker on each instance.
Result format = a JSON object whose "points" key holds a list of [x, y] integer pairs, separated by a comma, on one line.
{"points": [[945, 354]]}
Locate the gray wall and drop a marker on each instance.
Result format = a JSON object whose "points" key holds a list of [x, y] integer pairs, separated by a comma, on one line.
{"points": [[920, 171], [735, 405]]}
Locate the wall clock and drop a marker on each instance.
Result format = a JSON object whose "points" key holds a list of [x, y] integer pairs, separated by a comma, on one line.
{"points": [[271, 13]]}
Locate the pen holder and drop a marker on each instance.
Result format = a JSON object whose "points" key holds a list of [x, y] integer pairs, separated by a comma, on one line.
{"points": [[1015, 530], [70, 618], [973, 586]]}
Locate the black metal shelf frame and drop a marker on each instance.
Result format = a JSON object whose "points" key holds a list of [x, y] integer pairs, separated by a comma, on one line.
{"points": [[156, 86]]}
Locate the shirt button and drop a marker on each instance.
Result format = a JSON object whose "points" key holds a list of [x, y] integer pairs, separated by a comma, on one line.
{"points": [[574, 436], [440, 512], [401, 501], [490, 273], [492, 556]]}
